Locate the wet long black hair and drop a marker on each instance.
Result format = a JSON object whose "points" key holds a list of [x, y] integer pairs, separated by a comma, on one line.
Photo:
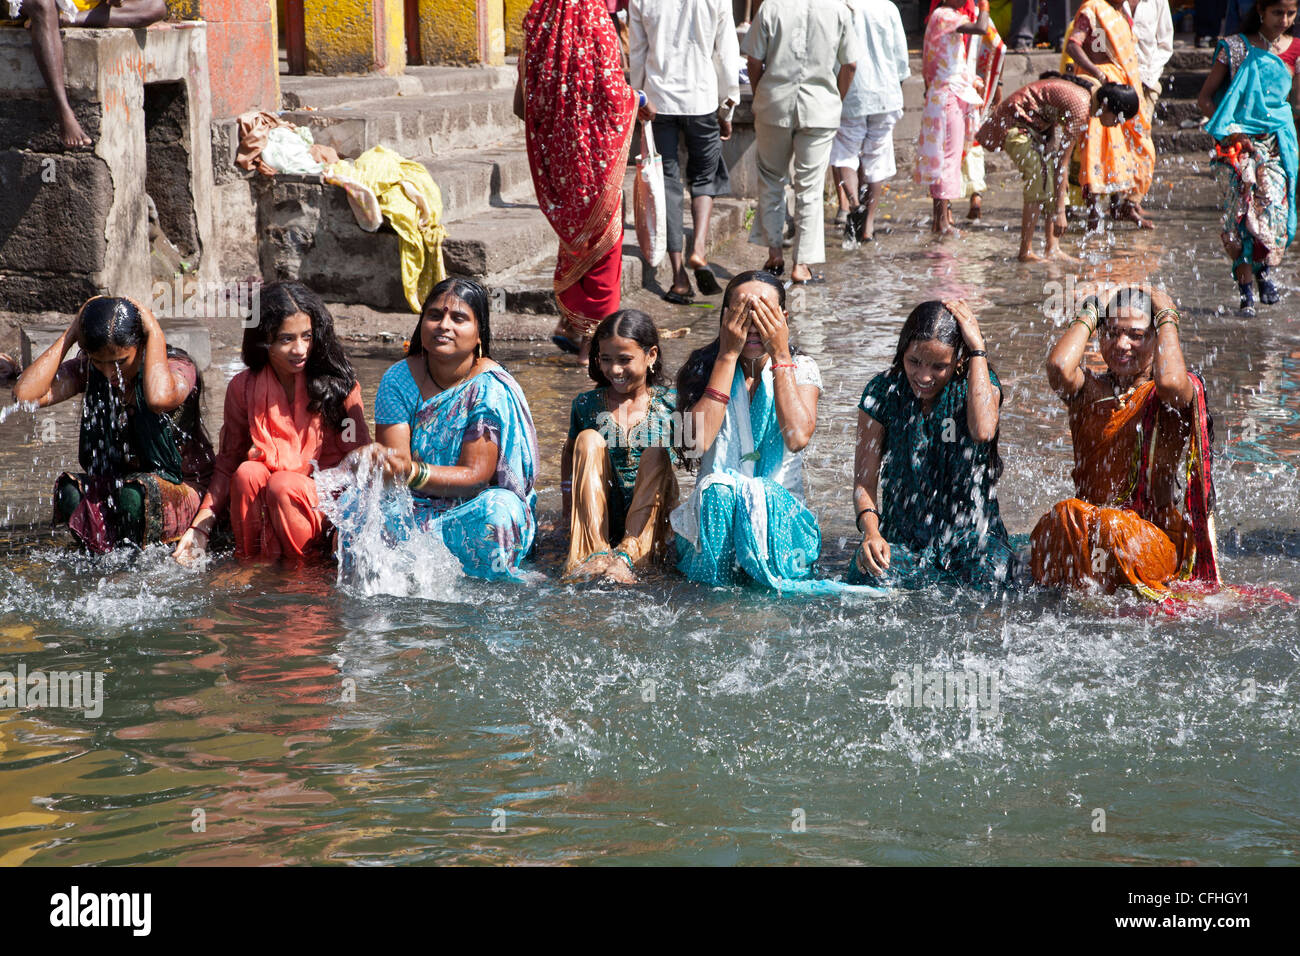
{"points": [[932, 322], [109, 321], [330, 377], [474, 296], [627, 324], [1120, 98]]}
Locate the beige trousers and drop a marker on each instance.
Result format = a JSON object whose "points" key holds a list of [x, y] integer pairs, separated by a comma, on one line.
{"points": [[646, 531], [810, 151]]}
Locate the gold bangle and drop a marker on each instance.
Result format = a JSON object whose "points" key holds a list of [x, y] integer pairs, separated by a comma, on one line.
{"points": [[1161, 320]]}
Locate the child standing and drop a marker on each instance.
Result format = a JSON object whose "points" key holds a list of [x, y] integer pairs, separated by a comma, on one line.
{"points": [[951, 106]]}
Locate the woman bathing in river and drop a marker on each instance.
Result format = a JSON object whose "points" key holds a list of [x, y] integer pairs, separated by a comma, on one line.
{"points": [[144, 456], [297, 406], [753, 403], [616, 471], [1130, 426], [1255, 157], [454, 427], [927, 459]]}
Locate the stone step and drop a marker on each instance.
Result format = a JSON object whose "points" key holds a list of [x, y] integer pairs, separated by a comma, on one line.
{"points": [[423, 125], [498, 240], [471, 180], [1173, 112], [530, 290], [326, 92], [1182, 141]]}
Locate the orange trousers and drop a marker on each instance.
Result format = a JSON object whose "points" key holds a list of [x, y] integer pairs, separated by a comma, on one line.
{"points": [[1077, 542], [274, 514]]}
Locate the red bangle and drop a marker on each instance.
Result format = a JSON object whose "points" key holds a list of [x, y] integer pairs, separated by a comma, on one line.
{"points": [[784, 365], [717, 396]]}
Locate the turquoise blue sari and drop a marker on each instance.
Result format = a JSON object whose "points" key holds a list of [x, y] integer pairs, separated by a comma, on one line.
{"points": [[492, 532], [1256, 103], [937, 499], [746, 519]]}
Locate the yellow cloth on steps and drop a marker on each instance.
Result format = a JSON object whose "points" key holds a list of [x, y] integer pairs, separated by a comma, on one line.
{"points": [[381, 184]]}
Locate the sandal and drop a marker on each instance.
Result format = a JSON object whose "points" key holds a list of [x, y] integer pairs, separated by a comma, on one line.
{"points": [[707, 282], [677, 298], [775, 270]]}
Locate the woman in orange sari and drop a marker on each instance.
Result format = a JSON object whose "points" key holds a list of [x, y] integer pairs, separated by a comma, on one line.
{"points": [[1119, 161], [579, 114], [1131, 427]]}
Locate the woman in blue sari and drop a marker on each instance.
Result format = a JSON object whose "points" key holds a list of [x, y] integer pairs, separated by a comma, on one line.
{"points": [[1255, 156], [750, 404], [927, 460], [455, 428]]}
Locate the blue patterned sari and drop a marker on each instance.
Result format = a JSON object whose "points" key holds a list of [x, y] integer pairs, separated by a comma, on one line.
{"points": [[492, 532]]}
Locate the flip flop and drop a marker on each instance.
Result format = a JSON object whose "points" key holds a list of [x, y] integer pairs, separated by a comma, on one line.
{"points": [[566, 344], [676, 298], [815, 279], [707, 282], [774, 270]]}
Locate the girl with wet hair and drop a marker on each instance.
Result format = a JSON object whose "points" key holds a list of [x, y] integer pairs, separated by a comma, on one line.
{"points": [[927, 461], [295, 408], [1140, 429], [144, 456], [752, 407], [454, 431], [616, 471]]}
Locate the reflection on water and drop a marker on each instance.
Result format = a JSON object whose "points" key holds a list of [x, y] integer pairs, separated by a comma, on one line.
{"points": [[257, 715]]}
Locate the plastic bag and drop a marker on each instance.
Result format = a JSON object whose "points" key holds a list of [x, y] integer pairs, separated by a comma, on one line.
{"points": [[648, 200]]}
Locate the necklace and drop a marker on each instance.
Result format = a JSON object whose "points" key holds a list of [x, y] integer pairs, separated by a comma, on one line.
{"points": [[1121, 398], [433, 381], [1273, 45]]}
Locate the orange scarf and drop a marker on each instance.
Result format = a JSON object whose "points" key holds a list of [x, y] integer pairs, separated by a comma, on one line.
{"points": [[285, 437]]}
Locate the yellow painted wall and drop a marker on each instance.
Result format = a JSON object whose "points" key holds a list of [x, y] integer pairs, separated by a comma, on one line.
{"points": [[449, 31], [515, 10], [341, 35]]}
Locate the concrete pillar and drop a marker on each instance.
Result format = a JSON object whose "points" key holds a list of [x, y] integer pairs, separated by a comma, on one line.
{"points": [[243, 58], [463, 31], [514, 22], [355, 36]]}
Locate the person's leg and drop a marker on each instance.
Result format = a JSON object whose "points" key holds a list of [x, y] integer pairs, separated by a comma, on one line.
{"points": [[972, 171], [714, 561], [646, 529], [812, 150], [877, 163], [844, 162], [47, 47], [128, 516], [774, 148], [665, 132], [490, 534], [127, 13], [707, 174], [1208, 19], [67, 496], [950, 185], [1058, 21], [593, 481], [246, 507], [295, 523], [1028, 223], [1023, 24]]}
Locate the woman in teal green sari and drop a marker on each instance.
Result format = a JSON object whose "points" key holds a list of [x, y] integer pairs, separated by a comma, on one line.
{"points": [[1249, 96], [927, 460]]}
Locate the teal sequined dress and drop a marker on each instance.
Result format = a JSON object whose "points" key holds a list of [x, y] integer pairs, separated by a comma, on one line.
{"points": [[937, 499]]}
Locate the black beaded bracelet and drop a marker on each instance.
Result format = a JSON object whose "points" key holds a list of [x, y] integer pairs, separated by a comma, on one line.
{"points": [[973, 353], [863, 512]]}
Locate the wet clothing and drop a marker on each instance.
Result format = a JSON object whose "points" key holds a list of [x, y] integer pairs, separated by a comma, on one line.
{"points": [[1125, 526], [951, 113], [1037, 126], [269, 447], [937, 500], [142, 471], [1259, 210], [491, 532], [579, 114]]}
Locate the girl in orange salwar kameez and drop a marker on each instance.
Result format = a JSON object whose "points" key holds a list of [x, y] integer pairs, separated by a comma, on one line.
{"points": [[1119, 161], [1138, 430]]}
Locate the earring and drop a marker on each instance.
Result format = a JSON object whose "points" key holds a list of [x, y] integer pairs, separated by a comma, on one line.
{"points": [[478, 350]]}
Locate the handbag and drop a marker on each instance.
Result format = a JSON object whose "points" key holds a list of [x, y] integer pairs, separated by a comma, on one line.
{"points": [[648, 200]]}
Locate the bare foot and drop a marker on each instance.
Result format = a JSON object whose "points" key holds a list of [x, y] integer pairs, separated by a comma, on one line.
{"points": [[697, 262], [1059, 255], [619, 573], [976, 208], [1030, 257], [800, 273], [1129, 212], [70, 132], [593, 567]]}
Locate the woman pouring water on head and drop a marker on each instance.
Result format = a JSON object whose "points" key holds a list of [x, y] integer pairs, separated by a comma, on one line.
{"points": [[144, 456]]}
